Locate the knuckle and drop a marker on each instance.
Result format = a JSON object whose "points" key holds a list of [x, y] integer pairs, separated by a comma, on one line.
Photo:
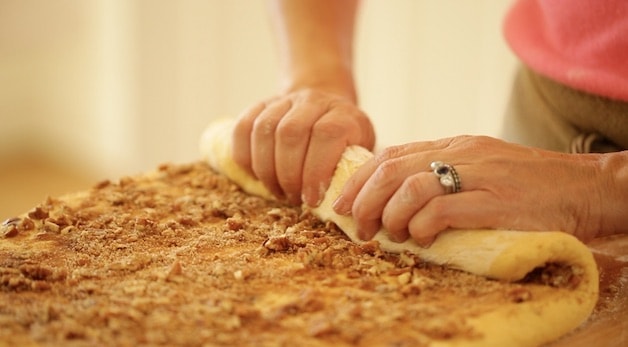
{"points": [[329, 130], [393, 225], [250, 113], [388, 154], [359, 214], [472, 142], [413, 187], [309, 95], [291, 132], [264, 126], [386, 171], [240, 129], [439, 211]]}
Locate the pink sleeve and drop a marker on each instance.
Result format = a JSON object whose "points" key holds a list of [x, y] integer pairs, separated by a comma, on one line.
{"points": [[582, 44]]}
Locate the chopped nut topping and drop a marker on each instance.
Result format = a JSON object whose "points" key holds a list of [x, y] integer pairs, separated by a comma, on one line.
{"points": [[27, 224], [97, 269], [38, 213], [11, 221], [9, 230], [278, 243]]}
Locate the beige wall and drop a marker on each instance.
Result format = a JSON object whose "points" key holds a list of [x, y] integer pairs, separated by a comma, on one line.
{"points": [[113, 87], [430, 69]]}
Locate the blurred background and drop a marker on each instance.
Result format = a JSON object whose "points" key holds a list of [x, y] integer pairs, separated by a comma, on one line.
{"points": [[98, 89]]}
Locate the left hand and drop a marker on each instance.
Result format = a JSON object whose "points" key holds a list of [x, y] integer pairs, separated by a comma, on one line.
{"points": [[503, 186], [292, 142]]}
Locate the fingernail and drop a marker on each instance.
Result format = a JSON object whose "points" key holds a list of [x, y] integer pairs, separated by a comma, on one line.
{"points": [[368, 231], [425, 242], [398, 238], [364, 236], [312, 196], [320, 194], [306, 198], [341, 206], [293, 199]]}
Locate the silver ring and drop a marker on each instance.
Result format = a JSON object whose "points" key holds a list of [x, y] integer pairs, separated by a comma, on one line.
{"points": [[447, 176]]}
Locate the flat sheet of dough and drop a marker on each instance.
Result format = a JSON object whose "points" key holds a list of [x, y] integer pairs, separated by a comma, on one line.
{"points": [[499, 254]]}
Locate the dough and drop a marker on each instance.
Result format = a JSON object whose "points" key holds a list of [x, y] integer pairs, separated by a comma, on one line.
{"points": [[499, 254]]}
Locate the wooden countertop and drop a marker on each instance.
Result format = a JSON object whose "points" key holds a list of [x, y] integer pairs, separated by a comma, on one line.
{"points": [[608, 325]]}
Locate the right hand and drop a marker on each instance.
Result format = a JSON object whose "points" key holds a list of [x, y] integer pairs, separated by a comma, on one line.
{"points": [[292, 142]]}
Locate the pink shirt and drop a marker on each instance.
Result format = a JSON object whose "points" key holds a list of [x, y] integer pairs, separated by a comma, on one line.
{"points": [[580, 43]]}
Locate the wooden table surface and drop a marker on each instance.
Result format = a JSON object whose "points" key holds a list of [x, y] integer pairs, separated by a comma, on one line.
{"points": [[608, 325]]}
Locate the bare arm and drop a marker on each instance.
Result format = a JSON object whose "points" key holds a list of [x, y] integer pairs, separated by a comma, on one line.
{"points": [[292, 142], [315, 40], [613, 192]]}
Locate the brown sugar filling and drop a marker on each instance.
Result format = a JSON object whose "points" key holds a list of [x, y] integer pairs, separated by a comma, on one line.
{"points": [[184, 257], [556, 275]]}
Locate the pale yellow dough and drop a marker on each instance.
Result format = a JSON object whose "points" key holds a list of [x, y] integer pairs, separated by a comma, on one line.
{"points": [[500, 254]]}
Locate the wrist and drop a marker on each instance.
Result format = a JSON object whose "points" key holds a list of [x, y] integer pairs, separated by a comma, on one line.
{"points": [[613, 190], [336, 80]]}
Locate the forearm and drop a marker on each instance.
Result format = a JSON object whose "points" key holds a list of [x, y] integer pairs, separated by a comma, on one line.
{"points": [[315, 39], [614, 193]]}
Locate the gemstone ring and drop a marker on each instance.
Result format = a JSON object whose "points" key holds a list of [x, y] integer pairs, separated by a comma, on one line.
{"points": [[447, 176]]}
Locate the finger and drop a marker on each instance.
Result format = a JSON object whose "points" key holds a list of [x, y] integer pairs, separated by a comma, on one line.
{"points": [[293, 139], [415, 191], [378, 189], [343, 125], [345, 200], [466, 210], [344, 203], [328, 141], [241, 137], [263, 144]]}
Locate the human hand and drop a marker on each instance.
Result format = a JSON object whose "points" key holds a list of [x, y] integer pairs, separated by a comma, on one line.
{"points": [[293, 142], [503, 186]]}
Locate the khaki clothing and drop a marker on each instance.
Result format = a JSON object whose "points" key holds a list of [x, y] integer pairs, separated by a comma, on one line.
{"points": [[550, 115]]}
